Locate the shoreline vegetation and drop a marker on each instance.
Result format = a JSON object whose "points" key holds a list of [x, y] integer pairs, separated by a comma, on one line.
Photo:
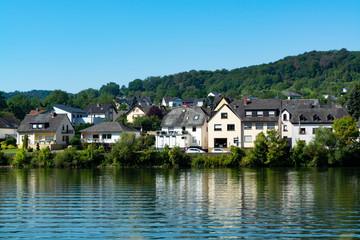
{"points": [[329, 148]]}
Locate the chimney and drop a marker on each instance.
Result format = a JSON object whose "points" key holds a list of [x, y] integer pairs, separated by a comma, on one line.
{"points": [[98, 105], [53, 114], [245, 101]]}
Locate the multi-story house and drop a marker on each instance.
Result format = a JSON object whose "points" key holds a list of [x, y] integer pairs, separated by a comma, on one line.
{"points": [[76, 116], [257, 115], [139, 111], [8, 126], [100, 112], [184, 127], [224, 128], [171, 102], [52, 130]]}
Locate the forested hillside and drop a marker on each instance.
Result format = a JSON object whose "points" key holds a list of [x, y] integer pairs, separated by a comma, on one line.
{"points": [[311, 74]]}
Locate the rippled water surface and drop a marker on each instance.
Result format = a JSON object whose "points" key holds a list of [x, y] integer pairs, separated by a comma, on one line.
{"points": [[173, 203]]}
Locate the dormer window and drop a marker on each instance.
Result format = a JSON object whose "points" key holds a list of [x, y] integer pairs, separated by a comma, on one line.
{"points": [[302, 118], [248, 113], [285, 117], [34, 126], [271, 113], [330, 117], [260, 113], [316, 118], [40, 126]]}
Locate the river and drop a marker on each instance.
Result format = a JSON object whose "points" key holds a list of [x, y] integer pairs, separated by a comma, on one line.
{"points": [[121, 203]]}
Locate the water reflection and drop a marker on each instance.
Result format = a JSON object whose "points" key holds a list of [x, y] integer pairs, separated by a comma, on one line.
{"points": [[179, 203]]}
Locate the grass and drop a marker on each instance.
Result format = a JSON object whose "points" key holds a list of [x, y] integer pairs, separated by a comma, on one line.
{"points": [[10, 151]]}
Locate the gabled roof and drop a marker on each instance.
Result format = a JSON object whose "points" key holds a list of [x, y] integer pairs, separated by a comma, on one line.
{"points": [[223, 106], [110, 127], [99, 108], [51, 123], [69, 109], [321, 113], [37, 111], [184, 116], [292, 94], [9, 122]]}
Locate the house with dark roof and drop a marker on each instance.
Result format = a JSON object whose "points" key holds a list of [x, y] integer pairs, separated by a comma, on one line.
{"points": [[76, 116], [304, 122], [257, 115], [100, 112], [184, 127], [292, 95], [8, 126], [106, 132], [48, 130]]}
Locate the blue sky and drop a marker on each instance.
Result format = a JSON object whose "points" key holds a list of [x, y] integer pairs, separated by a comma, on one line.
{"points": [[75, 45]]}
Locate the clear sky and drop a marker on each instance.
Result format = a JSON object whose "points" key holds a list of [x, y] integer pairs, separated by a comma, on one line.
{"points": [[73, 45]]}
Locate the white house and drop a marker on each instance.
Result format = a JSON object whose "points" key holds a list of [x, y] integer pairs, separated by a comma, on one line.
{"points": [[185, 125], [306, 121], [76, 116], [106, 132], [171, 102], [100, 112]]}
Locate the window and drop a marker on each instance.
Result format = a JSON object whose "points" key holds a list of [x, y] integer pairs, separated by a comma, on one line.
{"points": [[96, 136], [196, 117], [270, 125], [231, 127], [34, 126], [302, 131], [260, 113], [224, 115], [40, 126], [217, 127], [106, 136], [285, 117], [248, 113], [248, 138], [49, 138], [171, 129], [194, 139], [330, 117], [271, 113], [183, 128], [259, 126], [194, 129], [285, 128], [302, 118], [314, 130], [247, 126], [316, 118]]}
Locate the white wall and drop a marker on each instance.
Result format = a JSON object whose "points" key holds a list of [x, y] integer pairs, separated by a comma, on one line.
{"points": [[308, 136], [7, 131]]}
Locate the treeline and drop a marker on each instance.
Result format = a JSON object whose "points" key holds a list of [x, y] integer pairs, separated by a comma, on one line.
{"points": [[329, 148], [311, 74]]}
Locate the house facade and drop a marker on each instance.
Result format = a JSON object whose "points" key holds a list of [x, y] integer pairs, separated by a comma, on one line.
{"points": [[185, 127], [106, 132], [48, 130], [224, 129]]}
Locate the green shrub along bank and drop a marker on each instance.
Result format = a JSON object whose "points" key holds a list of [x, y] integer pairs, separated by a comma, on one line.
{"points": [[337, 147]]}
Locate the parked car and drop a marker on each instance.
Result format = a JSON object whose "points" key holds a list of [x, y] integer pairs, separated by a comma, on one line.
{"points": [[194, 150], [218, 150]]}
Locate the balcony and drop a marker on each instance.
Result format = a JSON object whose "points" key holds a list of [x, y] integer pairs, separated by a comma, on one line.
{"points": [[67, 131]]}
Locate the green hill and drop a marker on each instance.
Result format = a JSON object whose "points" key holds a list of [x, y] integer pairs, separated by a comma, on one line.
{"points": [[311, 74]]}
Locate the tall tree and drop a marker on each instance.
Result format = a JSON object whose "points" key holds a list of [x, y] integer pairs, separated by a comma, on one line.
{"points": [[3, 104], [19, 105], [353, 102], [110, 88], [57, 97]]}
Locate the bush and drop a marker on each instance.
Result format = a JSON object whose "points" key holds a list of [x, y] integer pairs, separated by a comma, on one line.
{"points": [[4, 160], [122, 151], [91, 157], [20, 159], [67, 159], [43, 158]]}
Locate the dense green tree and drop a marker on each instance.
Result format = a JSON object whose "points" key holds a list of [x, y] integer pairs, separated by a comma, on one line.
{"points": [[3, 104], [19, 105], [147, 123], [277, 152], [56, 97], [353, 101], [110, 88], [122, 152]]}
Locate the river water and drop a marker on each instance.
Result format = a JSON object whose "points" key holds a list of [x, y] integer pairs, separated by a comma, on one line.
{"points": [[180, 203]]}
